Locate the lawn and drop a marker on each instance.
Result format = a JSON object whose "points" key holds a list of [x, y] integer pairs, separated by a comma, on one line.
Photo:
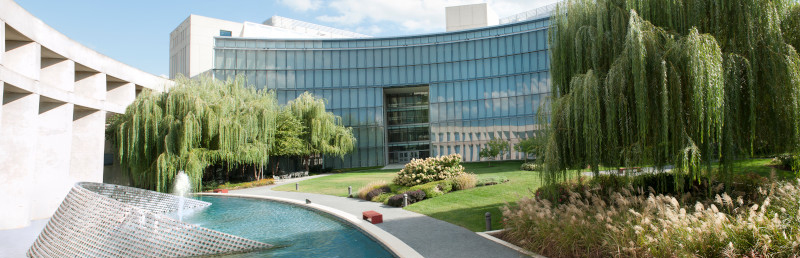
{"points": [[337, 184], [465, 208]]}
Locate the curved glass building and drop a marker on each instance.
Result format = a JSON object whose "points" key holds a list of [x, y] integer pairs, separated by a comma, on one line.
{"points": [[411, 96]]}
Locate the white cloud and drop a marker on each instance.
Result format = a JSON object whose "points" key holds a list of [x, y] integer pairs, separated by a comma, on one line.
{"points": [[370, 30], [302, 5], [412, 15]]}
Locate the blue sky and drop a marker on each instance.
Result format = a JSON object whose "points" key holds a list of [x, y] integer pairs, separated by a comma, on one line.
{"points": [[137, 32]]}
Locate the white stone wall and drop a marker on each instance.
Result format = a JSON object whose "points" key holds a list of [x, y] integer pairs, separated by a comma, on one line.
{"points": [[469, 17], [56, 95]]}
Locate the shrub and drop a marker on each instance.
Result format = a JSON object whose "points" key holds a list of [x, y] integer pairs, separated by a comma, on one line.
{"points": [[530, 166], [464, 181], [363, 191], [319, 169], [785, 161], [421, 171], [375, 192], [434, 189], [491, 180], [395, 201], [415, 196], [382, 197]]}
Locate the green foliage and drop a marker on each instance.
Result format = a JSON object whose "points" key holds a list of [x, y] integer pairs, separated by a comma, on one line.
{"points": [[531, 146], [382, 197], [196, 124], [492, 180], [494, 148], [287, 140], [421, 171], [435, 188], [663, 82], [287, 136], [323, 132]]}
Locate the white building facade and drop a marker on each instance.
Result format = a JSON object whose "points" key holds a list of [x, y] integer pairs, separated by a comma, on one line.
{"points": [[56, 96]]}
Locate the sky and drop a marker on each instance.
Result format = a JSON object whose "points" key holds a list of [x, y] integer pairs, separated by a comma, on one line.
{"points": [[137, 32]]}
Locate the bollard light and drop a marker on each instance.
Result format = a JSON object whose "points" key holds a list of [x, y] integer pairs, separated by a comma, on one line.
{"points": [[405, 200], [349, 191], [297, 186], [488, 221]]}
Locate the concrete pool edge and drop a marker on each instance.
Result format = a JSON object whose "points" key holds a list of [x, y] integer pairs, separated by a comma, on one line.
{"points": [[393, 244]]}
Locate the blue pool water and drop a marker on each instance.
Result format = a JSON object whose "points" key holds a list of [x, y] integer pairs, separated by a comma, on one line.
{"points": [[294, 231]]}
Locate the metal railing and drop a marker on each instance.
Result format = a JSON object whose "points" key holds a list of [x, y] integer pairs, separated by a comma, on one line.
{"points": [[541, 12]]}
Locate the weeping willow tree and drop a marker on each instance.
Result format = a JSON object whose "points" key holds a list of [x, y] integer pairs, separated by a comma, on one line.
{"points": [[659, 82], [196, 124], [323, 132]]}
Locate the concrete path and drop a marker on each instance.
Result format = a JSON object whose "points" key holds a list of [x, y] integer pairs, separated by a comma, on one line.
{"points": [[432, 238]]}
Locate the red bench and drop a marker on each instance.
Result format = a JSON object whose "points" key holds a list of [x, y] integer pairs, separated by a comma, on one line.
{"points": [[372, 216]]}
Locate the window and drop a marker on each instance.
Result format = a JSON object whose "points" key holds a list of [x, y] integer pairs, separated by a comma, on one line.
{"points": [[224, 33]]}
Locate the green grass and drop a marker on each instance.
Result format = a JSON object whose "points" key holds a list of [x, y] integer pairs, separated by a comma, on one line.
{"points": [[467, 208], [337, 184], [464, 208]]}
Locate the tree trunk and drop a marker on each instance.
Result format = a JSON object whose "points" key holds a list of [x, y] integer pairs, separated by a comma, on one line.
{"points": [[275, 166], [255, 173]]}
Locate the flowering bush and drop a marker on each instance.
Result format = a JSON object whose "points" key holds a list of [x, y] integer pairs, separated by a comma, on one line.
{"points": [[421, 171], [530, 166], [632, 223]]}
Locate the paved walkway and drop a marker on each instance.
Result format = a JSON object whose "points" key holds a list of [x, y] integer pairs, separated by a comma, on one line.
{"points": [[432, 238]]}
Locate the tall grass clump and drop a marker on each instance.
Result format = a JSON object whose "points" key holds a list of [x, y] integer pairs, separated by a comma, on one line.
{"points": [[633, 222]]}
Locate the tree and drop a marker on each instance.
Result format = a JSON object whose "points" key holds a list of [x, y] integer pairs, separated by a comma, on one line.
{"points": [[494, 148], [657, 82], [287, 140], [529, 146], [323, 132], [197, 123]]}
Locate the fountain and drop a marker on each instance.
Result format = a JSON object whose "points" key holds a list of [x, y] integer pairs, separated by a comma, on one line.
{"points": [[105, 220], [182, 187]]}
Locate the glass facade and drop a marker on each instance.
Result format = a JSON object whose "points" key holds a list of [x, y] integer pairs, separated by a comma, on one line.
{"points": [[481, 84], [407, 124]]}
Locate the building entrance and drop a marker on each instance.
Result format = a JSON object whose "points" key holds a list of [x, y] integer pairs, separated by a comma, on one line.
{"points": [[407, 127], [407, 156]]}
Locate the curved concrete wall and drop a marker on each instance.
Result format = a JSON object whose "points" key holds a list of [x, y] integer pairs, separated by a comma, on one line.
{"points": [[56, 96]]}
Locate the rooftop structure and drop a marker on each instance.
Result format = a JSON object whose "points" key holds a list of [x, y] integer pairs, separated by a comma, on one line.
{"points": [[191, 48]]}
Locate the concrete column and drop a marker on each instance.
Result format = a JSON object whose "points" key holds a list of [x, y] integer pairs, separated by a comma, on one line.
{"points": [[90, 85], [23, 57], [53, 157], [58, 73], [120, 93], [2, 40], [88, 137], [17, 156]]}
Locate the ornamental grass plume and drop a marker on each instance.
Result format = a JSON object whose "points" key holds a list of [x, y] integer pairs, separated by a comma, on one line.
{"points": [[632, 223]]}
